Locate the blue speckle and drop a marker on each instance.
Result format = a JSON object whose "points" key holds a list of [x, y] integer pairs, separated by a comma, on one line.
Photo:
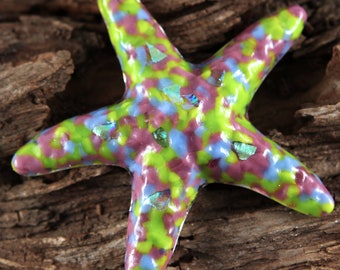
{"points": [[117, 16], [219, 150], [318, 196], [128, 93], [132, 164], [134, 109], [93, 122], [134, 167], [211, 80], [142, 57], [81, 150], [164, 82], [87, 162], [145, 207], [99, 112], [149, 189], [199, 131], [113, 146], [237, 73], [259, 32], [271, 174], [147, 263], [143, 15], [231, 99], [193, 176], [202, 90], [287, 163], [275, 166], [164, 106], [132, 238], [179, 142], [175, 232], [97, 118], [304, 197], [69, 147], [321, 197]]}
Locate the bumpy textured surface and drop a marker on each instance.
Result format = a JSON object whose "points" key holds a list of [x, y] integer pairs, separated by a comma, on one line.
{"points": [[181, 126]]}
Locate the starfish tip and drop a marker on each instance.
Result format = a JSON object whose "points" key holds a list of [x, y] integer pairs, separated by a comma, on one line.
{"points": [[298, 11], [27, 165]]}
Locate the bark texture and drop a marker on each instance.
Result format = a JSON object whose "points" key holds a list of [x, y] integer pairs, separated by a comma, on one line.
{"points": [[56, 62]]}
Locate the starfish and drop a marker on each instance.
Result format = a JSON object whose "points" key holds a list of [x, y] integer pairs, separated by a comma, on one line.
{"points": [[181, 126]]}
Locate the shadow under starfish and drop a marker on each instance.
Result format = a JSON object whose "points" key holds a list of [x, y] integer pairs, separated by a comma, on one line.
{"points": [[181, 126]]}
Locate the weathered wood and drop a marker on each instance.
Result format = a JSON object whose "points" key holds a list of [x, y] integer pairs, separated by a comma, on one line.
{"points": [[77, 219], [227, 228], [318, 142], [198, 26], [37, 55], [317, 138], [24, 91], [327, 91]]}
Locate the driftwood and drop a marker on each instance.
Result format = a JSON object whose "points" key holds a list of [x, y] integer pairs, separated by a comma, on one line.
{"points": [[56, 62]]}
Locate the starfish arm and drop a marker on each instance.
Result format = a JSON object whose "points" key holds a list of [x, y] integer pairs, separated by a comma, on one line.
{"points": [[255, 162], [141, 45], [161, 198], [239, 67], [93, 138]]}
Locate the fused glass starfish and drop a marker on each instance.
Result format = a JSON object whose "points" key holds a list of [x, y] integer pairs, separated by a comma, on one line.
{"points": [[181, 126]]}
